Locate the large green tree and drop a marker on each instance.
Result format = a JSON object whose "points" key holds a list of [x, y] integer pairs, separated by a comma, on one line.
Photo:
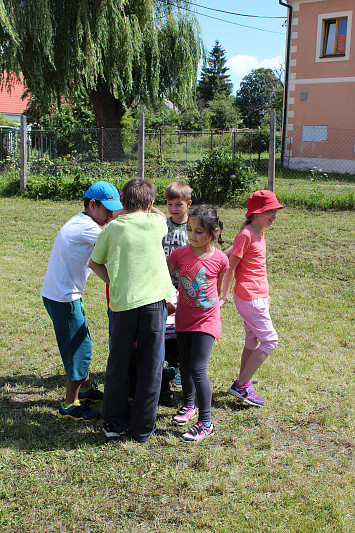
{"points": [[214, 81], [260, 90], [224, 114], [117, 51]]}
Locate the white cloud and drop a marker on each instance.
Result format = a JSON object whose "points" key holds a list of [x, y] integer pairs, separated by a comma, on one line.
{"points": [[240, 65]]}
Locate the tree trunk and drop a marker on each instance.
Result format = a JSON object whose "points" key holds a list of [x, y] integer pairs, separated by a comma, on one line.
{"points": [[108, 114]]}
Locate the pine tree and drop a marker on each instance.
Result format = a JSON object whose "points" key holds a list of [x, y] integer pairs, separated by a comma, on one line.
{"points": [[117, 51], [214, 81]]}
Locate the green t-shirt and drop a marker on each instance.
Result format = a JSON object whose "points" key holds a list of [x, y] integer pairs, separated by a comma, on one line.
{"points": [[130, 246]]}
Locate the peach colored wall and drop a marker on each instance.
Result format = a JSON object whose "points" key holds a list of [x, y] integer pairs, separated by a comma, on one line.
{"points": [[306, 67], [327, 104]]}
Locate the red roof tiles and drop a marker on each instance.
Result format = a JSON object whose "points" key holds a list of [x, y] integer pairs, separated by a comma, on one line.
{"points": [[10, 102]]}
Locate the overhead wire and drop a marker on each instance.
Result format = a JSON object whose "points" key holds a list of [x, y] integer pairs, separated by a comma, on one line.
{"points": [[226, 21], [232, 13]]}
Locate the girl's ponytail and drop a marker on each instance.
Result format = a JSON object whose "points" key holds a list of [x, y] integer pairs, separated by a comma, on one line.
{"points": [[220, 227], [247, 221]]}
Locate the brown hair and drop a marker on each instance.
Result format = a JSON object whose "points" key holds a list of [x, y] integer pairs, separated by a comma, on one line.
{"points": [[247, 221], [178, 189], [137, 194]]}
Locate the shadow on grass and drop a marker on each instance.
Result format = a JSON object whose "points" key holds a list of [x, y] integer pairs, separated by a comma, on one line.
{"points": [[38, 382], [29, 421], [223, 400]]}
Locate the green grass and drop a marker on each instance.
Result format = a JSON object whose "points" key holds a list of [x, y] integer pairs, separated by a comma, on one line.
{"points": [[287, 468]]}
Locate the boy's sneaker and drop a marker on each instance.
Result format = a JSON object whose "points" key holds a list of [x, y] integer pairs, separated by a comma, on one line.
{"points": [[167, 399], [177, 380], [169, 373], [92, 395], [77, 411], [184, 415], [198, 432], [108, 429], [246, 393]]}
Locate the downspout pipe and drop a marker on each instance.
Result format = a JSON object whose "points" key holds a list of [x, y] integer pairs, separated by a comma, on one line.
{"points": [[288, 53]]}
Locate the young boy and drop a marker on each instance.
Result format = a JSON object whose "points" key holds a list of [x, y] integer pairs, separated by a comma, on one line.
{"points": [[64, 282], [178, 200], [139, 282]]}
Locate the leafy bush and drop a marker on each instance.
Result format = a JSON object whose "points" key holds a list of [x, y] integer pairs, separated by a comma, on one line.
{"points": [[10, 183], [63, 186], [219, 177]]}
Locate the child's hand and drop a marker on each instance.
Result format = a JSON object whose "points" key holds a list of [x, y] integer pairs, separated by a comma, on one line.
{"points": [[171, 308], [222, 301]]}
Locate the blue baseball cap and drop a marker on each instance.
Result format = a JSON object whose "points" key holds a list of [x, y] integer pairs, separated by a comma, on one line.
{"points": [[106, 193]]}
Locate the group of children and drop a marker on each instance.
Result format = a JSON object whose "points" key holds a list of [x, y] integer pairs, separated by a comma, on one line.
{"points": [[145, 259]]}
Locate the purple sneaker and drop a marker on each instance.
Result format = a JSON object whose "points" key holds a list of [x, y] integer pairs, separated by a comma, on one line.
{"points": [[246, 393]]}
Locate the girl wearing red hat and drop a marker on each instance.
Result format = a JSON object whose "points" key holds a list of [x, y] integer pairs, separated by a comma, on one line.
{"points": [[247, 264]]}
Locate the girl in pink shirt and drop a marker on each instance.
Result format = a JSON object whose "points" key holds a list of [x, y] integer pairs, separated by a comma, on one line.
{"points": [[247, 264], [197, 321]]}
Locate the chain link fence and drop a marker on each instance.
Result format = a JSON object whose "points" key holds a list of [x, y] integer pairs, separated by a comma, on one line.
{"points": [[322, 148], [49, 150]]}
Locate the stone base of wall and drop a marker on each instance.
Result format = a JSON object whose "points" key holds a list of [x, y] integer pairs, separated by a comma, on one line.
{"points": [[342, 166]]}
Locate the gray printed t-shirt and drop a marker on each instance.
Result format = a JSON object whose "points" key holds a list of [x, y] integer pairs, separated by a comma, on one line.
{"points": [[176, 237]]}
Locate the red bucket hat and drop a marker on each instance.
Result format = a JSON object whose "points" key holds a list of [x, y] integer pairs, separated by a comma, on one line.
{"points": [[261, 201]]}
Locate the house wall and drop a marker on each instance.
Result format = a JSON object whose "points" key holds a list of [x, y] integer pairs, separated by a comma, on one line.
{"points": [[321, 91]]}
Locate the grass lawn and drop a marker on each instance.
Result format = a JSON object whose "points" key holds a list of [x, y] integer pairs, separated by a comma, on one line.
{"points": [[288, 467]]}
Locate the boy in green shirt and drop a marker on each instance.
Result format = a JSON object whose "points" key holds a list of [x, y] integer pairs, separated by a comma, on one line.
{"points": [[129, 257]]}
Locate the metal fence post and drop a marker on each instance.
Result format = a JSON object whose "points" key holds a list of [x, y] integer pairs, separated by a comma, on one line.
{"points": [[272, 148], [23, 154], [141, 134]]}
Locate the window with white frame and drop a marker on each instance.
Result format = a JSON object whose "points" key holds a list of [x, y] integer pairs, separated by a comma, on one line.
{"points": [[333, 36]]}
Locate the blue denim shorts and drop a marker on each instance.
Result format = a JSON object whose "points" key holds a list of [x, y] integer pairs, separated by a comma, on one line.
{"points": [[72, 335]]}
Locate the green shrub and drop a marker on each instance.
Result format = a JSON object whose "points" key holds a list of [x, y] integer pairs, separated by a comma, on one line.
{"points": [[64, 186], [10, 183], [219, 177]]}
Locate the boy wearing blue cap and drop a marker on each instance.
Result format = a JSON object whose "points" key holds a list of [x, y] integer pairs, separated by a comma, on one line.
{"points": [[64, 282]]}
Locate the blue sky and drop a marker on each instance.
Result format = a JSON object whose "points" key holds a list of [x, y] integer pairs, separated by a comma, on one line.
{"points": [[245, 48]]}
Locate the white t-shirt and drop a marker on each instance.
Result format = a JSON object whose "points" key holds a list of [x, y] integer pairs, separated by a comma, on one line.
{"points": [[68, 269]]}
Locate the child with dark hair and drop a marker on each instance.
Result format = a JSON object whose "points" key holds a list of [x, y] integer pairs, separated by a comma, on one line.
{"points": [[62, 289], [129, 257], [198, 323]]}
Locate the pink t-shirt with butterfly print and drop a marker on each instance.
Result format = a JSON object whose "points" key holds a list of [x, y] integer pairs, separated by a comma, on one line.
{"points": [[198, 303]]}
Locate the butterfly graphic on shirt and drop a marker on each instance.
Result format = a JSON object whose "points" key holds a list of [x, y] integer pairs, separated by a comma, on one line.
{"points": [[204, 302], [196, 287]]}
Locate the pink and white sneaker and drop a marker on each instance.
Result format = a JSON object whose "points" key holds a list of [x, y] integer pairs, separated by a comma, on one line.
{"points": [[184, 415], [198, 432]]}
